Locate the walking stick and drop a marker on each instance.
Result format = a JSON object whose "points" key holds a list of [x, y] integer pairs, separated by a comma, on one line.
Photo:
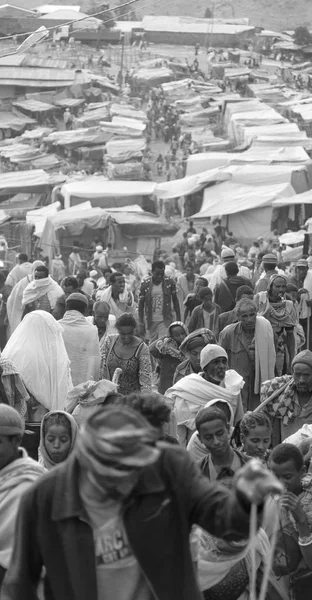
{"points": [[308, 324], [116, 376], [273, 396]]}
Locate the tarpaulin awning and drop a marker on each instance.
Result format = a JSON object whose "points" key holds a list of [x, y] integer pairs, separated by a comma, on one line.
{"points": [[229, 198], [201, 117], [292, 237], [93, 117], [304, 198], [122, 150], [129, 124], [37, 133], [33, 106], [27, 181], [127, 111], [38, 217], [69, 102], [100, 187], [116, 129], [78, 137], [135, 225], [9, 120], [188, 185]]}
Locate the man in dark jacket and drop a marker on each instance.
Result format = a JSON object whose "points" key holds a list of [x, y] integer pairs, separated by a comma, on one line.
{"points": [[225, 292], [114, 520]]}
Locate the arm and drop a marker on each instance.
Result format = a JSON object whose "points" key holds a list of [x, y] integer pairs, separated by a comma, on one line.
{"points": [[153, 350], [104, 354], [175, 301], [141, 304], [186, 312], [292, 504], [23, 576], [145, 370], [193, 322], [291, 344]]}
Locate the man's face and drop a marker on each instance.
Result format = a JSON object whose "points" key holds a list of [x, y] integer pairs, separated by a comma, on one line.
{"points": [[189, 271], [301, 272], [302, 374], [247, 316], [288, 475], [158, 276], [101, 317], [279, 287], [215, 436], [194, 355], [199, 285], [217, 368], [119, 284], [207, 301], [68, 289]]}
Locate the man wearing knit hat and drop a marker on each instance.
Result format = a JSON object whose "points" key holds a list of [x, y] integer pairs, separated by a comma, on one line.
{"points": [[227, 255], [191, 393], [113, 521], [269, 263], [292, 408], [17, 472]]}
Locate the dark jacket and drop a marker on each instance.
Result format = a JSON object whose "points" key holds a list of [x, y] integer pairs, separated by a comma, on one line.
{"points": [[172, 495], [145, 300], [167, 367], [225, 292]]}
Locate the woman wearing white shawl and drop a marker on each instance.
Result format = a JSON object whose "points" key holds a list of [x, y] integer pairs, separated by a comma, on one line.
{"points": [[14, 302], [117, 296], [194, 391], [38, 351]]}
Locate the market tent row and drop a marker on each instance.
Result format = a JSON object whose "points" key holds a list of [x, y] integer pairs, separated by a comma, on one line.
{"points": [[28, 181], [245, 209], [104, 193], [135, 230]]}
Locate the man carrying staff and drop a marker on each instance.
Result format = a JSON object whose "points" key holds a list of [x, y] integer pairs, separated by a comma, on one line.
{"points": [[113, 521]]}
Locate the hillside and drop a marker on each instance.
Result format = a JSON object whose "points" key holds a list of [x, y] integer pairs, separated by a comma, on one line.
{"points": [[271, 14]]}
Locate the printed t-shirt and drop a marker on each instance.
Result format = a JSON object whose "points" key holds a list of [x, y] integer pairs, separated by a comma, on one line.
{"points": [[157, 303], [118, 574]]}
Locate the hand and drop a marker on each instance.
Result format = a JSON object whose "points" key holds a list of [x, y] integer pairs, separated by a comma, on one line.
{"points": [[292, 503], [302, 291], [255, 482]]}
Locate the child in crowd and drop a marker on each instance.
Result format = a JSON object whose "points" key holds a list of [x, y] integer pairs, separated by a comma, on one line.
{"points": [[253, 435], [57, 438], [205, 315]]}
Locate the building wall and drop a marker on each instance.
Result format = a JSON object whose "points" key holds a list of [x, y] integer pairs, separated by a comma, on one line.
{"points": [[190, 39]]}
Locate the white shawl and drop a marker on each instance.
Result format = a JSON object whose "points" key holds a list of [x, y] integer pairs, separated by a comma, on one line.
{"points": [[41, 287], [14, 302], [37, 350], [82, 346], [126, 299], [265, 352]]}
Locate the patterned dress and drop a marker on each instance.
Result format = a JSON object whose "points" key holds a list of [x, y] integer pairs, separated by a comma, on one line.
{"points": [[136, 370]]}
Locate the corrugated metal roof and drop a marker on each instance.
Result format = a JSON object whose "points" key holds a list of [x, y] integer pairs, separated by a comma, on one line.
{"points": [[34, 76], [46, 9], [63, 15], [191, 25], [33, 105]]}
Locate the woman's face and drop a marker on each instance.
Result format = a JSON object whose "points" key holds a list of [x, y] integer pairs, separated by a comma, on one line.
{"points": [[126, 334], [57, 442], [194, 355], [178, 334], [278, 288], [257, 442]]}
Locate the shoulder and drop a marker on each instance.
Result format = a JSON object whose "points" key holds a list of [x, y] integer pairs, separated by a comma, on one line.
{"points": [[230, 329]]}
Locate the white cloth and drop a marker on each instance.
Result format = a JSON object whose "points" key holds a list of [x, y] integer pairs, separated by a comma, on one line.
{"points": [[217, 276], [82, 346], [14, 302], [265, 352], [41, 287], [110, 327], [15, 479], [126, 301], [37, 350], [193, 392], [304, 310]]}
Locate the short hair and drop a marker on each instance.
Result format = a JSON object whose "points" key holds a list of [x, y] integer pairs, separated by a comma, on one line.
{"points": [[252, 420], [203, 292], [151, 405], [101, 303], [56, 419], [78, 305], [82, 272], [70, 282], [115, 275], [126, 320], [285, 452], [242, 291], [107, 270], [269, 266], [23, 257], [206, 415], [231, 268], [189, 265], [42, 269], [245, 302], [158, 264], [204, 280], [291, 287]]}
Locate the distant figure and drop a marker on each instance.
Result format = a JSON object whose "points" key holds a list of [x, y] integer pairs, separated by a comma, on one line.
{"points": [[68, 119], [22, 269], [57, 268]]}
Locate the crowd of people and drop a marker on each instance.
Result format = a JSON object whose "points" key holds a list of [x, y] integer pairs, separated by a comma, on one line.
{"points": [[132, 411]]}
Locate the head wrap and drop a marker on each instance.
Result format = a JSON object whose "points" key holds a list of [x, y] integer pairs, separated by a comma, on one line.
{"points": [[200, 337], [103, 448], [270, 259], [275, 276], [177, 324], [10, 421], [302, 263], [215, 401], [44, 457], [99, 248], [78, 297], [211, 352], [227, 253], [304, 357], [93, 273]]}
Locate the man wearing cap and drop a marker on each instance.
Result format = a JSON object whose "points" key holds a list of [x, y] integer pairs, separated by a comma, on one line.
{"points": [[81, 340], [225, 292], [17, 473], [269, 263], [194, 391], [292, 408], [227, 255], [192, 345], [113, 521], [302, 279]]}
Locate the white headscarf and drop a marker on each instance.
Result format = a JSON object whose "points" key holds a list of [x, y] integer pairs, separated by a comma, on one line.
{"points": [[14, 302], [38, 351]]}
